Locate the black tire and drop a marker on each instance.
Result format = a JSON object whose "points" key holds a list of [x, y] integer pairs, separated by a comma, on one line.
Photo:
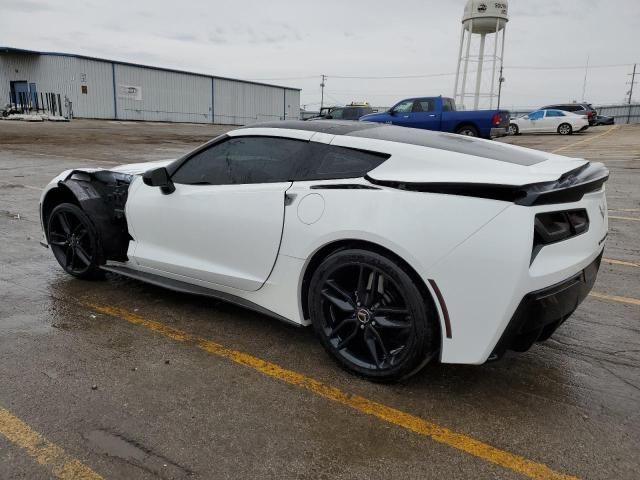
{"points": [[565, 129], [467, 130], [74, 241], [383, 334], [513, 129]]}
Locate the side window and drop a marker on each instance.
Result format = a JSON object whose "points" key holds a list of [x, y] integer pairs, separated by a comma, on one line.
{"points": [[328, 162], [403, 107], [337, 113], [351, 113], [447, 105], [242, 160], [536, 115], [423, 105], [555, 113]]}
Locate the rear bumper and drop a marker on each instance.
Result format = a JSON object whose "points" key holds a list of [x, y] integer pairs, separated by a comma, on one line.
{"points": [[498, 132], [541, 312]]}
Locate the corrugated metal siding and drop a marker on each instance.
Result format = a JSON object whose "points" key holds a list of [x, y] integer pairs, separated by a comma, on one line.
{"points": [[166, 96], [293, 104], [63, 75], [621, 113], [237, 103]]}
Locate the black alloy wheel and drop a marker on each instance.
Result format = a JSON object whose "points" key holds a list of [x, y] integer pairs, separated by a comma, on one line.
{"points": [[74, 241], [371, 317]]}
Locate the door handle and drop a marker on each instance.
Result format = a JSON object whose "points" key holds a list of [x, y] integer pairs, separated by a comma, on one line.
{"points": [[432, 115], [406, 116]]}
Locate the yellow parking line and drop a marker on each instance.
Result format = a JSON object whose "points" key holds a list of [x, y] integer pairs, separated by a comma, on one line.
{"points": [[42, 450], [588, 139], [633, 219], [363, 405], [615, 298], [620, 262]]}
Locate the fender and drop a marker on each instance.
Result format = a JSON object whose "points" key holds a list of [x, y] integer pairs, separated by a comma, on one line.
{"points": [[102, 195]]}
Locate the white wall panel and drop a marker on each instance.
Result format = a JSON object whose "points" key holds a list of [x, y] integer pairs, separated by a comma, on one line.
{"points": [[293, 104], [165, 96], [64, 75], [239, 103]]}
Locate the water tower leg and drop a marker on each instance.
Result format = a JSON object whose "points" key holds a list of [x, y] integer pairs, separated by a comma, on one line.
{"points": [[466, 63], [476, 99], [455, 88], [493, 68]]}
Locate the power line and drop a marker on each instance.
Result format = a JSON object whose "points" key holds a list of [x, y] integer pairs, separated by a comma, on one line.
{"points": [[447, 74]]}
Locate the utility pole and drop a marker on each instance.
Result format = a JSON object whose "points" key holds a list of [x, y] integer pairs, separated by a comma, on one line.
{"points": [[500, 80], [633, 80], [324, 78], [584, 83]]}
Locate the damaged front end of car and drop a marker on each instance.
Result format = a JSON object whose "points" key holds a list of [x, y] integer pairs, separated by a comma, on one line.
{"points": [[102, 195]]}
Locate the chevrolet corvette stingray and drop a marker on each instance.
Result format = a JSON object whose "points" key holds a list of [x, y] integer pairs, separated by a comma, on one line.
{"points": [[399, 246]]}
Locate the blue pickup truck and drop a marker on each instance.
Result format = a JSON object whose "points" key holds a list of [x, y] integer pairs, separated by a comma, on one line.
{"points": [[439, 113]]}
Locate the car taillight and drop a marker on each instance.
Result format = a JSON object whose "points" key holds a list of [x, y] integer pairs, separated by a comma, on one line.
{"points": [[552, 227], [590, 114], [496, 119]]}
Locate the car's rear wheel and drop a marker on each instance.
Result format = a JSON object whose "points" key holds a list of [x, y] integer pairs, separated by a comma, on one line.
{"points": [[370, 315], [565, 129], [468, 130], [513, 129], [74, 241]]}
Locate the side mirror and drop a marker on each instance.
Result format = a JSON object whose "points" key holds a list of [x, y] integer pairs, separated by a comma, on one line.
{"points": [[392, 112], [328, 117], [159, 177]]}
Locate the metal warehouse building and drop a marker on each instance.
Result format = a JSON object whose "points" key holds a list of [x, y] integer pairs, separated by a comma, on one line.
{"points": [[100, 88]]}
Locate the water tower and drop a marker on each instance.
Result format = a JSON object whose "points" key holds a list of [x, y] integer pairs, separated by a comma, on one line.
{"points": [[480, 19]]}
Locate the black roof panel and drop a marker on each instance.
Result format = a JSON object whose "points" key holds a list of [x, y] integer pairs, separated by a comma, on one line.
{"points": [[413, 136], [333, 127]]}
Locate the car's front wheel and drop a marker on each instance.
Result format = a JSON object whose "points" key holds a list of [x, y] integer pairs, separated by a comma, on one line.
{"points": [[370, 315], [74, 241], [565, 129]]}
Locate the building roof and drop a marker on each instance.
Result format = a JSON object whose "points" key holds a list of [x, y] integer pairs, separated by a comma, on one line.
{"points": [[22, 51]]}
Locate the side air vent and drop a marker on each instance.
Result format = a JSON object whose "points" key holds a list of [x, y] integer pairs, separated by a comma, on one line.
{"points": [[553, 227]]}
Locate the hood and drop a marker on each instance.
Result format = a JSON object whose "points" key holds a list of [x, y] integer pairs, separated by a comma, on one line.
{"points": [[140, 168], [372, 117]]}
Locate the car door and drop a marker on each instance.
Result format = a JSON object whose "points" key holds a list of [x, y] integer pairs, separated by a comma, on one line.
{"points": [[534, 121], [422, 114], [223, 223], [399, 114], [553, 119]]}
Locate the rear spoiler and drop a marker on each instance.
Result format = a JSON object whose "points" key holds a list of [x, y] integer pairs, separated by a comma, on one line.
{"points": [[570, 187]]}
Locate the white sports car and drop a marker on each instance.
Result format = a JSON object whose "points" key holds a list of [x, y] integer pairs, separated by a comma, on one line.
{"points": [[549, 121], [398, 245]]}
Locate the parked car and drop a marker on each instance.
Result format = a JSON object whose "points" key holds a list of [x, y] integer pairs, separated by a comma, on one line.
{"points": [[354, 228], [577, 108], [439, 113], [549, 121], [349, 112], [603, 120]]}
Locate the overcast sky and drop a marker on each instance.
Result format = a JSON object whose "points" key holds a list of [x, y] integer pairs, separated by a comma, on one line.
{"points": [[293, 42]]}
